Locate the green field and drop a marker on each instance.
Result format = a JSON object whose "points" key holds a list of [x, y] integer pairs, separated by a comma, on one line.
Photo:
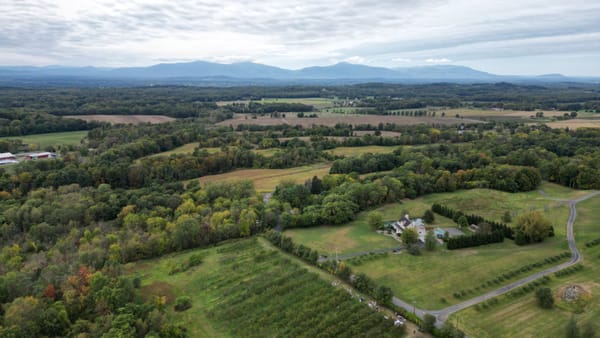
{"points": [[265, 180], [248, 288], [355, 151], [51, 139], [466, 269], [184, 149], [522, 317]]}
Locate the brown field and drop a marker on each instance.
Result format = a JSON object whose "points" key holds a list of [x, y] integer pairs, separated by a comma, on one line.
{"points": [[466, 112], [353, 120], [265, 180], [126, 119], [574, 124], [384, 133]]}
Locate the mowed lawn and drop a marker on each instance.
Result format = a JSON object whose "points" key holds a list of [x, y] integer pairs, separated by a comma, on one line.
{"points": [[355, 151], [265, 180], [51, 139], [522, 317], [431, 279]]}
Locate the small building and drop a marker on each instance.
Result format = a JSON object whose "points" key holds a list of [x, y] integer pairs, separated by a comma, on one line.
{"points": [[439, 233], [7, 158], [39, 156]]}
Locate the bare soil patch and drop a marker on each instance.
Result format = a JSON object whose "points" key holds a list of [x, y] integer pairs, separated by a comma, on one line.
{"points": [[125, 119], [159, 289]]}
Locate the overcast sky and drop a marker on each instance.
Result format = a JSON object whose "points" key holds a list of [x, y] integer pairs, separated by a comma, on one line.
{"points": [[504, 37]]}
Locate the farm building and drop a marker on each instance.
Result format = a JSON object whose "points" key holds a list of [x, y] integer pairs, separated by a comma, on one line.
{"points": [[39, 156], [7, 158]]}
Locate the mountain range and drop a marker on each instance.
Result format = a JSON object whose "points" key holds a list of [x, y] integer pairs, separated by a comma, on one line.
{"points": [[202, 72]]}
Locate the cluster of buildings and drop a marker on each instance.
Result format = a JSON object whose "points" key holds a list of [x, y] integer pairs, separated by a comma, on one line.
{"points": [[9, 158], [406, 223]]}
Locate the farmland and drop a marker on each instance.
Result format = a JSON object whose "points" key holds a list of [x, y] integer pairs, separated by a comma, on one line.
{"points": [[522, 316], [127, 119], [355, 151], [247, 288], [52, 139], [353, 120], [575, 124], [184, 149], [265, 180]]}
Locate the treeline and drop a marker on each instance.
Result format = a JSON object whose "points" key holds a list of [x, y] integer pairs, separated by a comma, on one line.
{"points": [[19, 123], [474, 240], [268, 108], [445, 211]]}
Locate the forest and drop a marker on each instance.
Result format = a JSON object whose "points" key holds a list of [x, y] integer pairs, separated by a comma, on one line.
{"points": [[68, 225]]}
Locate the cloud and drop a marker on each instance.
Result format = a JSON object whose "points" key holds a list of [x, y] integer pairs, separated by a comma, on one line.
{"points": [[297, 33], [441, 60]]}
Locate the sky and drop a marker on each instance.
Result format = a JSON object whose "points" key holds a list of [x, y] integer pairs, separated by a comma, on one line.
{"points": [[525, 37]]}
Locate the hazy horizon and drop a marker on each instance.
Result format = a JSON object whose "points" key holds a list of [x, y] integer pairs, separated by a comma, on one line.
{"points": [[531, 37]]}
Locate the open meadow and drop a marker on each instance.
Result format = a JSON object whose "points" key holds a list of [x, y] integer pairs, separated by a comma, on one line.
{"points": [[524, 318], [356, 151], [51, 139], [248, 288], [265, 180], [465, 270], [575, 124]]}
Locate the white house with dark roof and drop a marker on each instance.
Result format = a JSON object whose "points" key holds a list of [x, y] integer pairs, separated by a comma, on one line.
{"points": [[405, 223]]}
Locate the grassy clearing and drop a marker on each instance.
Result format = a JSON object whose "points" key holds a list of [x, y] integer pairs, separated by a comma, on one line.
{"points": [[465, 269], [575, 124], [51, 139], [522, 317], [355, 151], [265, 180], [430, 280], [249, 289], [184, 149]]}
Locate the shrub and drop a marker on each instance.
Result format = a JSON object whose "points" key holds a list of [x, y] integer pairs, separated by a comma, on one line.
{"points": [[182, 303], [544, 298]]}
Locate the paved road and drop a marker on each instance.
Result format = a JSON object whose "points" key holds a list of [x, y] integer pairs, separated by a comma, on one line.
{"points": [[443, 314]]}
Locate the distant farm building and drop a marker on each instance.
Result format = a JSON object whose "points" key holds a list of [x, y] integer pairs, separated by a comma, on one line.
{"points": [[7, 158], [39, 156]]}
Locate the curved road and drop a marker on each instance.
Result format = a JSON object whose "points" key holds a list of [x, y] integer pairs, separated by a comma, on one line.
{"points": [[442, 315]]}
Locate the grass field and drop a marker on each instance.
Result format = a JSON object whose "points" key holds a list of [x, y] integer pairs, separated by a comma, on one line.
{"points": [[248, 288], [265, 180], [355, 151], [184, 149], [522, 317], [465, 269], [51, 139], [491, 204], [575, 124], [114, 119]]}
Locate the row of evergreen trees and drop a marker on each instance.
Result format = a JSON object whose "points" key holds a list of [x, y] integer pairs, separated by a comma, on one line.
{"points": [[474, 240]]}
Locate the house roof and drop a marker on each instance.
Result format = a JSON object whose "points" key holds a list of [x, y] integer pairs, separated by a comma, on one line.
{"points": [[5, 155]]}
